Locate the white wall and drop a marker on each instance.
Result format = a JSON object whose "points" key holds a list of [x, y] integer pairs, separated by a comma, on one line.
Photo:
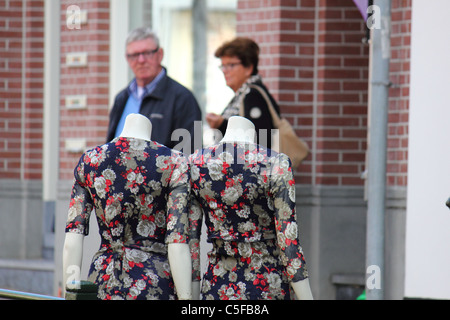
{"points": [[428, 219]]}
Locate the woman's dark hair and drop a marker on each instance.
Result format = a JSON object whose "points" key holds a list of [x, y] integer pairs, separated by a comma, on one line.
{"points": [[245, 49]]}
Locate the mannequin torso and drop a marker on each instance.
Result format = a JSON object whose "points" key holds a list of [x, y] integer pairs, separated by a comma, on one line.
{"points": [[236, 225], [178, 254]]}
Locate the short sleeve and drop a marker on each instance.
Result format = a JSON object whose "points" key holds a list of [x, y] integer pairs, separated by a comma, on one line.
{"points": [[81, 203], [178, 201], [195, 226], [283, 190]]}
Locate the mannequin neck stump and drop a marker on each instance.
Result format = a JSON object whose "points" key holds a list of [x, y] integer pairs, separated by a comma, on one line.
{"points": [[137, 126], [239, 129]]}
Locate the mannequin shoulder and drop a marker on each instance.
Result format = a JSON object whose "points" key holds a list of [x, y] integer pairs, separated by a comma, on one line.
{"points": [[281, 166]]}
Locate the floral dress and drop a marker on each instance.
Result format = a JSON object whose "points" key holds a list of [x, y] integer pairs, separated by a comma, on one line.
{"points": [[139, 191], [247, 195]]}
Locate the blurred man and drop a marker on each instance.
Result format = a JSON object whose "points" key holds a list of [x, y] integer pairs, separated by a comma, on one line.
{"points": [[171, 108]]}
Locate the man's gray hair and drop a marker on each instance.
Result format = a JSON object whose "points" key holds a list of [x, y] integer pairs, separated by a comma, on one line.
{"points": [[142, 33]]}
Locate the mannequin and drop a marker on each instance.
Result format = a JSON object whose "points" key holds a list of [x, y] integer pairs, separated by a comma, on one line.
{"points": [[240, 129], [136, 126]]}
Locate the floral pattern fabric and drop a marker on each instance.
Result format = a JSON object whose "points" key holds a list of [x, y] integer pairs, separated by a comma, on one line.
{"points": [[139, 190], [246, 194]]}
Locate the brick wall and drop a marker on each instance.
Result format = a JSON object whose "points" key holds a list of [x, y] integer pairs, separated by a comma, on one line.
{"points": [[397, 163], [316, 65], [21, 88], [21, 85], [90, 81], [342, 90]]}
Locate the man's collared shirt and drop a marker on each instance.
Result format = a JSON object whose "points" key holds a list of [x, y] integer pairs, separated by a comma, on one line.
{"points": [[139, 92]]}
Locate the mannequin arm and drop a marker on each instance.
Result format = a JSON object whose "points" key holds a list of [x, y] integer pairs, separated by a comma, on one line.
{"points": [[72, 258], [302, 290], [181, 267]]}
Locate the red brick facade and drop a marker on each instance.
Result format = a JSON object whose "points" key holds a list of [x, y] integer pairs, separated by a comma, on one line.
{"points": [[313, 61], [21, 89], [397, 163], [91, 80]]}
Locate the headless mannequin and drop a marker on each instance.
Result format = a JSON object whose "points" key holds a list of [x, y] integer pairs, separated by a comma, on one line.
{"points": [[140, 127], [241, 129]]}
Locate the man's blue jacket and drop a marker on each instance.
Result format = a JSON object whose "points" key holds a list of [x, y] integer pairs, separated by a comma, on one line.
{"points": [[169, 107]]}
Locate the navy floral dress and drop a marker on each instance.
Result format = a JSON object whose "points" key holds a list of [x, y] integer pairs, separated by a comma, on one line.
{"points": [[139, 190], [247, 195]]}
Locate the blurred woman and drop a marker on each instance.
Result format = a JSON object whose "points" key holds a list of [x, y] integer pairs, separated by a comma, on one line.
{"points": [[240, 58]]}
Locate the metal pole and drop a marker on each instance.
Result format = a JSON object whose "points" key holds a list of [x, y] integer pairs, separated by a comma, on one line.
{"points": [[199, 28], [377, 146]]}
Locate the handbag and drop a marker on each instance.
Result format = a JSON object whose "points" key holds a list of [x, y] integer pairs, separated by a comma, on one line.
{"points": [[285, 140]]}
